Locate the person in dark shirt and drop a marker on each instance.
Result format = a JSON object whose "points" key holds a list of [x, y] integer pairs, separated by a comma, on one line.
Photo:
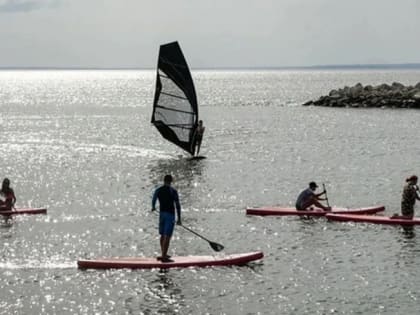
{"points": [[308, 198], [168, 202], [7, 196], [408, 199]]}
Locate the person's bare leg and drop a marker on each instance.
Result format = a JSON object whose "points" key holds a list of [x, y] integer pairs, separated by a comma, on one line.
{"points": [[316, 203], [161, 241], [165, 245]]}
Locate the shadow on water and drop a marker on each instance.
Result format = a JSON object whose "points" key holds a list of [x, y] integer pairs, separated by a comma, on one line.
{"points": [[308, 220], [168, 292], [6, 222], [408, 232], [256, 266], [409, 252], [160, 295], [7, 230]]}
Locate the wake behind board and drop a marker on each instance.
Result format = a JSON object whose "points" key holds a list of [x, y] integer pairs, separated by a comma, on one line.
{"points": [[20, 211], [372, 219], [178, 262], [316, 212]]}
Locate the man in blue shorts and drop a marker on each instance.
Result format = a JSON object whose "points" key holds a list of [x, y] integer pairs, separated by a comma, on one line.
{"points": [[308, 198], [168, 201]]}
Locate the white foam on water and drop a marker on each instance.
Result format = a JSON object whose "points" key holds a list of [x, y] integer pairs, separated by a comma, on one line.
{"points": [[37, 265]]}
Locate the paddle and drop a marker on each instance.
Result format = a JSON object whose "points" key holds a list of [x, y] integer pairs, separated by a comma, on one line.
{"points": [[326, 197], [217, 247]]}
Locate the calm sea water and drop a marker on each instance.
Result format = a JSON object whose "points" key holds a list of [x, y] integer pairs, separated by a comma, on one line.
{"points": [[81, 144]]}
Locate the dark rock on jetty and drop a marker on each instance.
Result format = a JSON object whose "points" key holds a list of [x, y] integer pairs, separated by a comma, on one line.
{"points": [[395, 95]]}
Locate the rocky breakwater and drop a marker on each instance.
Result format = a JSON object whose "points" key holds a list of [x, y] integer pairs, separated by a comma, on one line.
{"points": [[395, 95]]}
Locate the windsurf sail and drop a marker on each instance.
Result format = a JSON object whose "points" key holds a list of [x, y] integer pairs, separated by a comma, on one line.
{"points": [[175, 109]]}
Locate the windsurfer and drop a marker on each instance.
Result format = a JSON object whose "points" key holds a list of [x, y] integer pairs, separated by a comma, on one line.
{"points": [[308, 198], [7, 196], [168, 201], [408, 199], [198, 137]]}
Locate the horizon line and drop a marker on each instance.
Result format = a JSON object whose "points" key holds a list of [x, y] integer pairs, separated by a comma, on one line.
{"points": [[312, 67]]}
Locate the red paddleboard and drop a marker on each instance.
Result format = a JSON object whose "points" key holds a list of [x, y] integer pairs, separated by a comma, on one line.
{"points": [[18, 211], [178, 262], [372, 219], [317, 212]]}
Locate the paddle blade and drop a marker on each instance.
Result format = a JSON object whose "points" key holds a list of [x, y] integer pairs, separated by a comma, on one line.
{"points": [[216, 247]]}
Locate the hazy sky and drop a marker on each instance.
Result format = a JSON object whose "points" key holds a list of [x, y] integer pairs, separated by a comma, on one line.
{"points": [[212, 33]]}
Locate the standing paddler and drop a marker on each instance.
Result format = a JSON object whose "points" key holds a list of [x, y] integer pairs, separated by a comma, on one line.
{"points": [[168, 201]]}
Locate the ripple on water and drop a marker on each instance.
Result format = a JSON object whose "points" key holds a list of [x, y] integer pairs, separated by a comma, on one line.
{"points": [[81, 144]]}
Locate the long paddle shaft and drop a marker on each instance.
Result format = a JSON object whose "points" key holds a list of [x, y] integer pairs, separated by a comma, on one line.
{"points": [[326, 197], [217, 247]]}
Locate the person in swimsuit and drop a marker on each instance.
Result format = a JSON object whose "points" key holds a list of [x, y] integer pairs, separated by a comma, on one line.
{"points": [[408, 199], [7, 196], [198, 137], [168, 201], [308, 198]]}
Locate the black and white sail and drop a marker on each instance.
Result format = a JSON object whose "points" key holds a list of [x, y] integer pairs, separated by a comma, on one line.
{"points": [[175, 110]]}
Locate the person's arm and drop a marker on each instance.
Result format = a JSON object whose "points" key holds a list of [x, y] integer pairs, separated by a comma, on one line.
{"points": [[320, 194], [416, 189], [154, 199], [178, 207], [317, 198]]}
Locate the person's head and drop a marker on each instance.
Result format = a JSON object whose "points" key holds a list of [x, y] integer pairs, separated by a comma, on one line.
{"points": [[412, 179], [6, 184], [167, 180], [200, 122], [313, 186]]}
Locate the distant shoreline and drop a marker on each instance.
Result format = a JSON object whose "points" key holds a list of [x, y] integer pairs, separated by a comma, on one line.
{"points": [[402, 66]]}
